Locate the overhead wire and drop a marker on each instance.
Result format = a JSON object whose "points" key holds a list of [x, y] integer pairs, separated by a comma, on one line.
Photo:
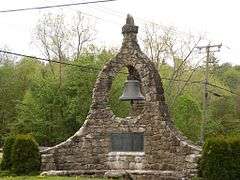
{"points": [[50, 60], [90, 69], [214, 85], [86, 68], [144, 20], [113, 12], [100, 18], [94, 16], [54, 6], [116, 13]]}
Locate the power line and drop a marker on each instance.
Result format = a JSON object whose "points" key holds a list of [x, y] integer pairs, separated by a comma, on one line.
{"points": [[85, 3], [81, 66], [181, 80], [205, 94], [214, 85], [54, 6], [144, 20], [54, 61], [90, 69]]}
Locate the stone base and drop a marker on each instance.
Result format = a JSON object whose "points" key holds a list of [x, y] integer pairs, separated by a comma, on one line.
{"points": [[92, 173], [125, 174]]}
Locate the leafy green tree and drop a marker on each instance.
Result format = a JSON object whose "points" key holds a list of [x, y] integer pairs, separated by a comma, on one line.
{"points": [[187, 117], [14, 81], [43, 110], [225, 114], [8, 96], [229, 74], [52, 113]]}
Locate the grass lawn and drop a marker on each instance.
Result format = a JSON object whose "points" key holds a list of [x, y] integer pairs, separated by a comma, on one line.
{"points": [[48, 178]]}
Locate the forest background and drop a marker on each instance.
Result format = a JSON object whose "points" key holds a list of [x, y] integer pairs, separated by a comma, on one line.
{"points": [[51, 100]]}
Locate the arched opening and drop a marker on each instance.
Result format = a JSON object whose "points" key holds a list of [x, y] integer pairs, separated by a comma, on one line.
{"points": [[119, 108], [124, 108]]}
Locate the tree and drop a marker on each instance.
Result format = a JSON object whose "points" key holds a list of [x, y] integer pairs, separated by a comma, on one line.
{"points": [[42, 111], [166, 45], [224, 113], [119, 108], [187, 117], [62, 41], [155, 43], [14, 81], [52, 114], [83, 33], [229, 74]]}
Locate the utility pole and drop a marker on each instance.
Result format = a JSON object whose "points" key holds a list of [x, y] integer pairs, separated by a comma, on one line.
{"points": [[208, 49]]}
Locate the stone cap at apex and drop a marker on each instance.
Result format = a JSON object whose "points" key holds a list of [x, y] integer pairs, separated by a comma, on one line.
{"points": [[129, 27]]}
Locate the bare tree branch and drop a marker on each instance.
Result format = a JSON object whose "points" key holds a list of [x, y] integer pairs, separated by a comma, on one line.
{"points": [[177, 69], [60, 41]]}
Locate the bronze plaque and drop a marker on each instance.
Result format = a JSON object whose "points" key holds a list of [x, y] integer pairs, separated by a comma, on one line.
{"points": [[127, 142]]}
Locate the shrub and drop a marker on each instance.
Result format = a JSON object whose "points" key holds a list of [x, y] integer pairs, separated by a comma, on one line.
{"points": [[1, 142], [221, 158], [6, 163], [25, 155]]}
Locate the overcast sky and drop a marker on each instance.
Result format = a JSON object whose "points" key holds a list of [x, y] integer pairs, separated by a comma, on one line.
{"points": [[215, 18]]}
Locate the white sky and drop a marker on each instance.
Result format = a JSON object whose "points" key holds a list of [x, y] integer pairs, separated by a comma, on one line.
{"points": [[216, 18]]}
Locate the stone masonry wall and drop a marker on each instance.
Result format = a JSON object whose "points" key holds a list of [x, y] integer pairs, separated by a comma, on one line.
{"points": [[166, 152]]}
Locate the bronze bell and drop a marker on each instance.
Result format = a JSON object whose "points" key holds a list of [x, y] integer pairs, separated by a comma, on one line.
{"points": [[131, 91]]}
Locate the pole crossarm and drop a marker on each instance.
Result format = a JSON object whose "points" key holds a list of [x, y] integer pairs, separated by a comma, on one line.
{"points": [[209, 48]]}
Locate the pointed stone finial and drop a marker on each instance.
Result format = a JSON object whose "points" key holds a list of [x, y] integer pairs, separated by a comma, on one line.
{"points": [[130, 20], [129, 27]]}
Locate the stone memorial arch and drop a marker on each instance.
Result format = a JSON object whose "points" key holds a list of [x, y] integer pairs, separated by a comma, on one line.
{"points": [[145, 145]]}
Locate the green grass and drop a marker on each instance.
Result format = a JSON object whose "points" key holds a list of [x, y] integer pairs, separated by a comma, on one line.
{"points": [[48, 178], [197, 178]]}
